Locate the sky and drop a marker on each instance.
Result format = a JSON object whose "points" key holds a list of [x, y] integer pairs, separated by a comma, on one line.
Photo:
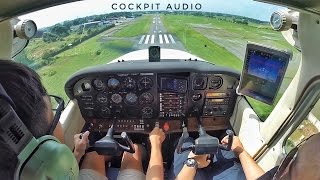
{"points": [[53, 15]]}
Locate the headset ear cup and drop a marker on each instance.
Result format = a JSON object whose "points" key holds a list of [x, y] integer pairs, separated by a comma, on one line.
{"points": [[50, 160]]}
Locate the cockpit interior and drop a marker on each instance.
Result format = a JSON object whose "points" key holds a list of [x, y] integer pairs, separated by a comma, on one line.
{"points": [[163, 80]]}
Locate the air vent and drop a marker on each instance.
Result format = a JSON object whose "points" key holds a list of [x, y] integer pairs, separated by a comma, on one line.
{"points": [[216, 82]]}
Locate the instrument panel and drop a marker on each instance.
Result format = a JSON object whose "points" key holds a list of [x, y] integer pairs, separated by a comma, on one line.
{"points": [[136, 101]]}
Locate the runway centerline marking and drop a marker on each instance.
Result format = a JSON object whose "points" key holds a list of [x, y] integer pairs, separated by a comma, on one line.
{"points": [[160, 39], [171, 38], [142, 37], [166, 38], [152, 39], [147, 39]]}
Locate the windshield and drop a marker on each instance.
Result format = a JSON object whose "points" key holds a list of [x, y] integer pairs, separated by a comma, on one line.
{"points": [[73, 36]]}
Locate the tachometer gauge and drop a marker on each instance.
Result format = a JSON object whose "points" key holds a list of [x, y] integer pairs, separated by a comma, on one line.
{"points": [[281, 21], [131, 98], [145, 83], [116, 98], [113, 83], [147, 112], [146, 98], [129, 83]]}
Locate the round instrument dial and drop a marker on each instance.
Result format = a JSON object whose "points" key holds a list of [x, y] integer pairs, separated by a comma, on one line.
{"points": [[276, 21], [102, 98], [216, 82], [116, 98], [146, 98], [105, 112], [281, 21], [99, 84], [147, 112], [129, 83], [145, 83], [131, 98], [26, 29], [199, 83], [113, 83]]}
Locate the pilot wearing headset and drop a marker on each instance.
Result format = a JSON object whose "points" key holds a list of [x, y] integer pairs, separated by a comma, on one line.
{"points": [[25, 152]]}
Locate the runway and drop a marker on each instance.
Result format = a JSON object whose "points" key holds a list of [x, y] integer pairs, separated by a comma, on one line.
{"points": [[158, 36]]}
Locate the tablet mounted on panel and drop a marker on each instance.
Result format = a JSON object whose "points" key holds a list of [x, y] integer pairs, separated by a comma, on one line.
{"points": [[263, 72]]}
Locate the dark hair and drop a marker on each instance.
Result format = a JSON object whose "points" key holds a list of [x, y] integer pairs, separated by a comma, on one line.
{"points": [[24, 87]]}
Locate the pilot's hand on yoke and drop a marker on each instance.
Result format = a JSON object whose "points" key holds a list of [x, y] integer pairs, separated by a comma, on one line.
{"points": [[202, 160], [157, 137], [81, 142], [236, 147]]}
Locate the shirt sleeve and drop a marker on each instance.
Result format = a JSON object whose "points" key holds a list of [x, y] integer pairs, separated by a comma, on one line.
{"points": [[269, 175]]}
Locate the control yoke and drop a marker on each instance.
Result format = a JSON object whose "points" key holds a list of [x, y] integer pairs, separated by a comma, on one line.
{"points": [[109, 146], [204, 144]]}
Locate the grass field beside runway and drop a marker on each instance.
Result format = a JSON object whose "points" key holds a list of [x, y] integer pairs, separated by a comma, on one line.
{"points": [[223, 43], [89, 53], [198, 44], [139, 27]]}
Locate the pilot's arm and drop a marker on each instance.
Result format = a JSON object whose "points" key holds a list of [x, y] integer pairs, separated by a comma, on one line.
{"points": [[155, 169], [188, 172], [81, 142], [251, 169]]}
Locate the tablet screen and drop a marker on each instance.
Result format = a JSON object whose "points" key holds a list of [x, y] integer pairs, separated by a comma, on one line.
{"points": [[263, 72]]}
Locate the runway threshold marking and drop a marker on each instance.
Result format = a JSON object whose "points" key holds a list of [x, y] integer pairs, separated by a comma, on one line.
{"points": [[166, 39], [171, 38], [142, 37], [160, 39], [147, 39]]}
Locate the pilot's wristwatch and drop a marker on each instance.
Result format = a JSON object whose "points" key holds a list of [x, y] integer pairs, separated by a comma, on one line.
{"points": [[191, 162]]}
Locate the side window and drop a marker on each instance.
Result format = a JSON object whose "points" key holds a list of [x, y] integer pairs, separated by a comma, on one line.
{"points": [[309, 126], [263, 110]]}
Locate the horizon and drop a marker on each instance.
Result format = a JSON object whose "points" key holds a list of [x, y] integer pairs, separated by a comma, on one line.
{"points": [[249, 9]]}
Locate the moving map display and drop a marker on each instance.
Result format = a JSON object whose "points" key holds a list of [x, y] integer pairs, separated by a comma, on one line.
{"points": [[263, 72]]}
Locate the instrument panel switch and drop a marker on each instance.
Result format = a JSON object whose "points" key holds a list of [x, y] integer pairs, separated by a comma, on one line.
{"points": [[166, 127]]}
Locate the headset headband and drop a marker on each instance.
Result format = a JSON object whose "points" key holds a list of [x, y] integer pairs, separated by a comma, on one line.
{"points": [[6, 97]]}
